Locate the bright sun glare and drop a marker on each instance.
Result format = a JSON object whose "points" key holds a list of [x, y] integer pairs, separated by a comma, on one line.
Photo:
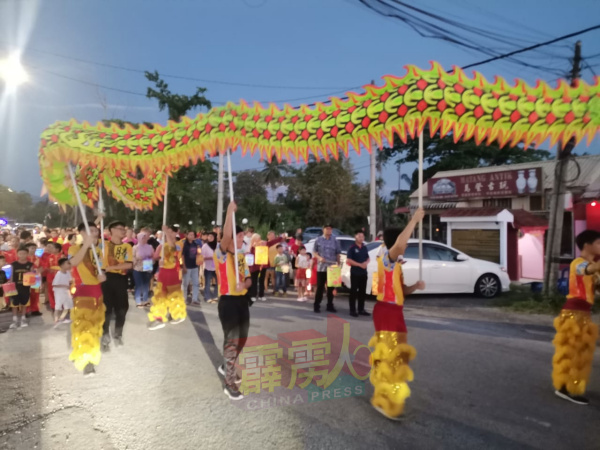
{"points": [[12, 71]]}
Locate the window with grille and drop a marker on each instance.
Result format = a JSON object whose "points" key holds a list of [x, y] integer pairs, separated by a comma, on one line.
{"points": [[536, 203], [498, 202]]}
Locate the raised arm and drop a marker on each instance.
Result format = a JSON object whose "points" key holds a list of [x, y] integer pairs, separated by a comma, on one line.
{"points": [[227, 238], [78, 257], [403, 237]]}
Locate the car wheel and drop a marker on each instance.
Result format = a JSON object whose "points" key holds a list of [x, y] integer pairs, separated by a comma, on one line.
{"points": [[487, 286]]}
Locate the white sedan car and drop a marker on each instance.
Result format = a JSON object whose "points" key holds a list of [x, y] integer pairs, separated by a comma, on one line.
{"points": [[445, 270]]}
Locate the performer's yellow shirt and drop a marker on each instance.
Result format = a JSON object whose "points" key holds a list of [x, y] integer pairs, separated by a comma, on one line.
{"points": [[581, 285], [87, 269], [171, 255], [224, 264], [115, 254]]}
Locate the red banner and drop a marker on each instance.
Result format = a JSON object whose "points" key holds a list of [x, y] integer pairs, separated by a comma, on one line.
{"points": [[508, 183]]}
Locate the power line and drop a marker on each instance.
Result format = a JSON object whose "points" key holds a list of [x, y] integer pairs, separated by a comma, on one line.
{"points": [[533, 47], [479, 63], [182, 77]]}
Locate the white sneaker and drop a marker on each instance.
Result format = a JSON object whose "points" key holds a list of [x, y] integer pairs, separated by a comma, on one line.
{"points": [[66, 321], [24, 324], [14, 325], [262, 299]]}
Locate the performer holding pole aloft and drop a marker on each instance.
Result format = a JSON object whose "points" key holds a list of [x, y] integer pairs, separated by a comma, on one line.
{"points": [[233, 277], [88, 313], [234, 281], [390, 371], [576, 334], [389, 361], [168, 299]]}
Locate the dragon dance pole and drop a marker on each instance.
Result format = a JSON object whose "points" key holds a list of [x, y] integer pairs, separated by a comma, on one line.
{"points": [[164, 238], [421, 205], [83, 217], [237, 269], [166, 200], [101, 211]]}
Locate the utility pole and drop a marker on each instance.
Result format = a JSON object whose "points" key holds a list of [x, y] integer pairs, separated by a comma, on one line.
{"points": [[557, 202], [220, 182]]}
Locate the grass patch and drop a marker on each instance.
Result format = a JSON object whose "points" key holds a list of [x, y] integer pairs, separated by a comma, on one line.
{"points": [[521, 299]]}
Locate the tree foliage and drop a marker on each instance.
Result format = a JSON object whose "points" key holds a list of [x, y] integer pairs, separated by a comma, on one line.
{"points": [[178, 105]]}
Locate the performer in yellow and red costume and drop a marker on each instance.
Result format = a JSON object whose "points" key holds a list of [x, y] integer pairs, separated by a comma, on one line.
{"points": [[87, 315], [390, 372], [576, 334], [168, 297]]}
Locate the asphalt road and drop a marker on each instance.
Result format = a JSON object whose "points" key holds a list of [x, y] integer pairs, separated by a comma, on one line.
{"points": [[482, 380]]}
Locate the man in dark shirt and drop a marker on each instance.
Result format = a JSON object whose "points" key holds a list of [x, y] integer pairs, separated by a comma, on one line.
{"points": [[190, 266], [358, 260]]}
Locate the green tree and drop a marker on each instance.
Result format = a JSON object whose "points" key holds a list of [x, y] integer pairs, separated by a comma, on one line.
{"points": [[251, 197], [14, 205], [192, 190], [177, 105], [274, 173], [327, 192]]}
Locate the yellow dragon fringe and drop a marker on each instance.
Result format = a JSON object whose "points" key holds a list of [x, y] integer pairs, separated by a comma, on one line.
{"points": [[390, 372], [575, 343], [167, 303], [86, 331]]}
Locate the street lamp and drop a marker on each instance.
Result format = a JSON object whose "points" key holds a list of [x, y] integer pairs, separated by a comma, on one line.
{"points": [[12, 71]]}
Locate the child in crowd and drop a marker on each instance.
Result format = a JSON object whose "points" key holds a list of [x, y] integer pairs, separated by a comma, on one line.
{"points": [[34, 294], [3, 279], [71, 240], [54, 251], [62, 292], [302, 264], [20, 301], [11, 253], [282, 267]]}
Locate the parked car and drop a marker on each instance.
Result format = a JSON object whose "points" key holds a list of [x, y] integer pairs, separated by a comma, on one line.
{"points": [[28, 226], [311, 233], [445, 270]]}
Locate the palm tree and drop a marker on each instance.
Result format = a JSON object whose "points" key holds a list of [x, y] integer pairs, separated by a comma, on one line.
{"points": [[274, 173]]}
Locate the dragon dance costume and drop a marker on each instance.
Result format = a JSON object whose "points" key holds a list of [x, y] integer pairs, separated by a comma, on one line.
{"points": [[576, 334], [88, 311], [390, 372], [168, 297]]}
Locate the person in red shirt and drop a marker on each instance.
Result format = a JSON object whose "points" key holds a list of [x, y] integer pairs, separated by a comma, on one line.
{"points": [[34, 293], [71, 240], [51, 267], [11, 254]]}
